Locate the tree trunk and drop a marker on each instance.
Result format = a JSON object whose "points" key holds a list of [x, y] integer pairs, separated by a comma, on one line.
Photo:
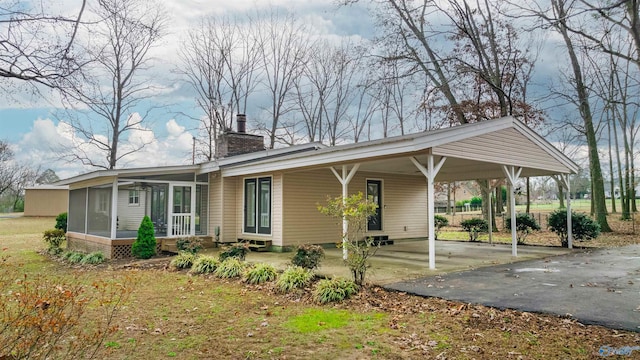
{"points": [[597, 182]]}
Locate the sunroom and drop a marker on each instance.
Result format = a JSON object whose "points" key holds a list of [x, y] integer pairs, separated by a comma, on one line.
{"points": [[107, 207]]}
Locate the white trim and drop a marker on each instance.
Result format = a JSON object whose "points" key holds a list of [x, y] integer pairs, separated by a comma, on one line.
{"points": [[512, 173]]}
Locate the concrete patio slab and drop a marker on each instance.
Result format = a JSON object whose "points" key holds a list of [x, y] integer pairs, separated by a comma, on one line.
{"points": [[595, 287]]}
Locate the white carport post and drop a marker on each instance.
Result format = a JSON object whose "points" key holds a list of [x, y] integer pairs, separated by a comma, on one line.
{"points": [[114, 208], [344, 181], [564, 182], [512, 175], [430, 173]]}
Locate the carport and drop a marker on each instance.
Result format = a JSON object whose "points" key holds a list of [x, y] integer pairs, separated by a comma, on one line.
{"points": [[497, 149]]}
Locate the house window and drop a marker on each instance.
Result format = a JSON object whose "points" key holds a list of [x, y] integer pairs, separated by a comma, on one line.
{"points": [[103, 202], [257, 205], [134, 197]]}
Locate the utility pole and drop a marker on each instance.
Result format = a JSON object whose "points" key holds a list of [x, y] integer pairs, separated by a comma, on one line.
{"points": [[193, 152]]}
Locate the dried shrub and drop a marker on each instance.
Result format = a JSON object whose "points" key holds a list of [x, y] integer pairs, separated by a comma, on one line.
{"points": [[45, 317], [336, 289]]}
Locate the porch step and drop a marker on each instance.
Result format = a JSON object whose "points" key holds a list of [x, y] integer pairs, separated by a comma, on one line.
{"points": [[169, 245], [257, 245], [382, 240]]}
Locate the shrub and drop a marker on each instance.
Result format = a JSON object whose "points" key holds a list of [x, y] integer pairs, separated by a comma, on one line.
{"points": [[230, 268], [192, 244], [525, 225], [145, 245], [184, 260], [61, 222], [93, 258], [205, 265], [336, 289], [49, 317], [474, 226], [308, 256], [261, 273], [582, 226], [439, 222], [54, 239], [238, 251], [294, 277], [75, 257]]}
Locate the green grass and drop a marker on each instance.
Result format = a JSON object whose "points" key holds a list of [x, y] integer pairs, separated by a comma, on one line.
{"points": [[318, 319]]}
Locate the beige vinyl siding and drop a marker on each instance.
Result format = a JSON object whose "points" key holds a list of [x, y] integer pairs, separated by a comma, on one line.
{"points": [[276, 209], [403, 197], [215, 202], [45, 202], [508, 147], [230, 202], [130, 216]]}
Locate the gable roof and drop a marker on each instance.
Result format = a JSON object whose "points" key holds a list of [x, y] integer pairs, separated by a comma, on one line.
{"points": [[473, 151]]}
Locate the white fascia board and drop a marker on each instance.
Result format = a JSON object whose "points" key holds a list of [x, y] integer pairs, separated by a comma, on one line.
{"points": [[130, 172]]}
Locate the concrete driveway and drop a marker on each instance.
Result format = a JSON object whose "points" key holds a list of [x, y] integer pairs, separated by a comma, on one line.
{"points": [[594, 286]]}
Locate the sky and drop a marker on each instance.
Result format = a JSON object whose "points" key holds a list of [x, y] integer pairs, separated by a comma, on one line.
{"points": [[30, 122]]}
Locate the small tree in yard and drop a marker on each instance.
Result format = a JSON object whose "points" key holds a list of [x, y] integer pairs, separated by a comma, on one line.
{"points": [[61, 221], [525, 225], [582, 227], [145, 245], [439, 222], [474, 227], [356, 210]]}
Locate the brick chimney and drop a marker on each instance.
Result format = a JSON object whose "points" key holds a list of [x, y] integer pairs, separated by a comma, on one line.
{"points": [[232, 143]]}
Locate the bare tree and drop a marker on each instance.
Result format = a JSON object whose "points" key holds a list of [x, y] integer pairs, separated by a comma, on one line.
{"points": [[36, 44], [220, 61], [112, 86], [284, 52]]}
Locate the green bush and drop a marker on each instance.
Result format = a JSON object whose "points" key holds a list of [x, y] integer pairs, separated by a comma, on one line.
{"points": [[261, 273], [61, 221], [230, 268], [192, 244], [439, 222], [54, 239], [474, 226], [525, 225], [582, 226], [93, 258], [145, 245], [205, 265], [294, 277], [184, 260], [238, 251], [308, 256], [75, 257], [336, 289]]}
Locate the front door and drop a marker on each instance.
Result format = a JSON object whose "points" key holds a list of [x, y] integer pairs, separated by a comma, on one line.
{"points": [[182, 197], [374, 189]]}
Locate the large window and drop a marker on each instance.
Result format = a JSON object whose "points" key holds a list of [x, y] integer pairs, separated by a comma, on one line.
{"points": [[257, 205]]}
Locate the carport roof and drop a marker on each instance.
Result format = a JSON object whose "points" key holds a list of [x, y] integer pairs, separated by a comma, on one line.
{"points": [[473, 151]]}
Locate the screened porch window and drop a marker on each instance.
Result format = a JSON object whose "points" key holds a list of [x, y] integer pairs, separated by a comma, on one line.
{"points": [[257, 205]]}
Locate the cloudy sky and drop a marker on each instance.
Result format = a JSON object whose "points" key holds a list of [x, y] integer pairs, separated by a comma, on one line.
{"points": [[31, 122]]}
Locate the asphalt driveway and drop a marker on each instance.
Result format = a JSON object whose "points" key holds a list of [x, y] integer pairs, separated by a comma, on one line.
{"points": [[593, 286]]}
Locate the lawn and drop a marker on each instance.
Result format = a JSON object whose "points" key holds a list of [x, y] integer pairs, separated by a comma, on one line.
{"points": [[171, 314]]}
